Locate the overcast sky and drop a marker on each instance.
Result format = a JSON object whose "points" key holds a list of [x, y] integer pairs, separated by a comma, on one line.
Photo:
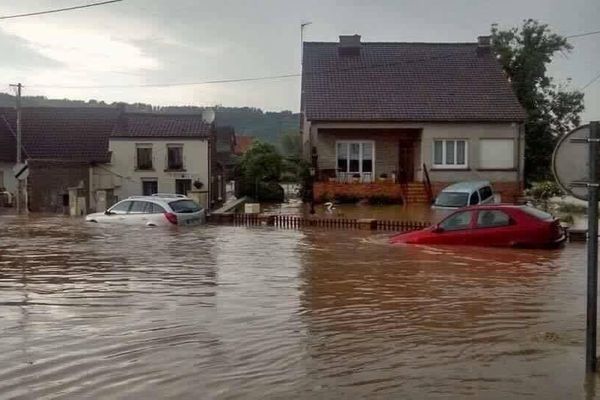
{"points": [[137, 42]]}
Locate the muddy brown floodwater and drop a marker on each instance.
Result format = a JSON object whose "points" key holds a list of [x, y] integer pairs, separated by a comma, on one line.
{"points": [[222, 312]]}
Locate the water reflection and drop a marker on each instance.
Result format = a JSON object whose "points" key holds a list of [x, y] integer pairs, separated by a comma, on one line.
{"points": [[232, 312]]}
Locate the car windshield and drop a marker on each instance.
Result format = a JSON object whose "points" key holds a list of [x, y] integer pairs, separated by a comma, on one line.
{"points": [[452, 199], [184, 206], [539, 214]]}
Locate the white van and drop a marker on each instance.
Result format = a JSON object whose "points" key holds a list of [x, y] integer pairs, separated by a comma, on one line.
{"points": [[465, 194]]}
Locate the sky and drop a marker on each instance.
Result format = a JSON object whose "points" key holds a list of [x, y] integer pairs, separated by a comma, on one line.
{"points": [[143, 42]]}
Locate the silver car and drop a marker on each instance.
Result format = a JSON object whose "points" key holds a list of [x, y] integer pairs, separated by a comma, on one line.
{"points": [[465, 194], [155, 210]]}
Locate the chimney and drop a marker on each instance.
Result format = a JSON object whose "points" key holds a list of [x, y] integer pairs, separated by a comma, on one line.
{"points": [[349, 45], [484, 44]]}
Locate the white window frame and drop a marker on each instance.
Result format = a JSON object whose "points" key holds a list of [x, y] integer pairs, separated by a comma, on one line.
{"points": [[444, 164], [360, 160]]}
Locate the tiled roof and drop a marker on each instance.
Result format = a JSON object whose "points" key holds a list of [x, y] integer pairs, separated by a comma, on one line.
{"points": [[161, 125], [406, 82], [78, 134], [242, 144]]}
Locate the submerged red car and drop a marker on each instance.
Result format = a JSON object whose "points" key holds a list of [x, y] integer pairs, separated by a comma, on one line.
{"points": [[491, 225]]}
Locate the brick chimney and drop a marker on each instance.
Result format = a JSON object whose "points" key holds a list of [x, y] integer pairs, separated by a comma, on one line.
{"points": [[484, 44], [349, 45]]}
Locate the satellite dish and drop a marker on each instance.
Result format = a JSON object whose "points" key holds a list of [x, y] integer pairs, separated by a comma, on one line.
{"points": [[208, 115], [571, 162]]}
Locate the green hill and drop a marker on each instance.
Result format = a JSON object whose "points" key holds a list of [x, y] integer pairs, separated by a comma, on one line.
{"points": [[265, 125]]}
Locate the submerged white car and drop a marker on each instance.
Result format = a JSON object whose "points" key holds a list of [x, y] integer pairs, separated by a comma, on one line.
{"points": [[155, 210], [465, 194]]}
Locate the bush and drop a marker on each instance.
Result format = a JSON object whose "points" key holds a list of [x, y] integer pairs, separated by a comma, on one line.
{"points": [[541, 192]]}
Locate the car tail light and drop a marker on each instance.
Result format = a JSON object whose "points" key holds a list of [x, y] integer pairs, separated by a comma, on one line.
{"points": [[556, 228], [172, 218]]}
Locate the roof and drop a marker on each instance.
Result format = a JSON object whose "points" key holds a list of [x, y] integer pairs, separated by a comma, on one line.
{"points": [[76, 134], [242, 144], [82, 133], [466, 187], [161, 125], [406, 82]]}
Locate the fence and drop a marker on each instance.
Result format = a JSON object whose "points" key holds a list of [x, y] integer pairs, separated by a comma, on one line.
{"points": [[296, 222]]}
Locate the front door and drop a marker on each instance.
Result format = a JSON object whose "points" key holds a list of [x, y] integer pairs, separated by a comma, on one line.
{"points": [[406, 161]]}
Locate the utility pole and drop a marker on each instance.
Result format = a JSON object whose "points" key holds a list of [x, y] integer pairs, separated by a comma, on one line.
{"points": [[19, 194], [592, 251]]}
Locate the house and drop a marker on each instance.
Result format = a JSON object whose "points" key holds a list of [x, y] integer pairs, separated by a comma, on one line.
{"points": [[102, 155], [387, 119], [61, 146], [159, 153]]}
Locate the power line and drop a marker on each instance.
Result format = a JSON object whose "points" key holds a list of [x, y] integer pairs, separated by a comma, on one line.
{"points": [[60, 9], [582, 34], [248, 79], [594, 79]]}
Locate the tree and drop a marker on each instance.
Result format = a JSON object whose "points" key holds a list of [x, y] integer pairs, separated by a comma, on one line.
{"points": [[291, 144], [259, 170], [552, 110]]}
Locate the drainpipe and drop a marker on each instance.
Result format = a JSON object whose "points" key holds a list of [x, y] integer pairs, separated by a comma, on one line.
{"points": [[519, 136]]}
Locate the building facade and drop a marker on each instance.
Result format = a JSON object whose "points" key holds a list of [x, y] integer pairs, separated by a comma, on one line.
{"points": [[387, 117]]}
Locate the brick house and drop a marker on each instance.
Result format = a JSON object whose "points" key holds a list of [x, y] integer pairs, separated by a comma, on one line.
{"points": [[106, 151], [382, 117]]}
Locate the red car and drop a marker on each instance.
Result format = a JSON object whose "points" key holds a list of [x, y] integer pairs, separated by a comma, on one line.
{"points": [[491, 225]]}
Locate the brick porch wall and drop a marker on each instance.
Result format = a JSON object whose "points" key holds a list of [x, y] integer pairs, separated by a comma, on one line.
{"points": [[509, 191], [325, 191]]}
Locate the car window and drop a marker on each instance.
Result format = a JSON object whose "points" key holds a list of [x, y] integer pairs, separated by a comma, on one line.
{"points": [[452, 199], [485, 192], [184, 206], [139, 207], [121, 208], [461, 220], [492, 218], [474, 198], [539, 214], [155, 209]]}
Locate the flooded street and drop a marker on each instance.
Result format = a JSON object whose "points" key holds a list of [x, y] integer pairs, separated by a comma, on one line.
{"points": [[223, 312]]}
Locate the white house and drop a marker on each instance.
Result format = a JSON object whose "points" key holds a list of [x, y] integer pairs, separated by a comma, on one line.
{"points": [[156, 153]]}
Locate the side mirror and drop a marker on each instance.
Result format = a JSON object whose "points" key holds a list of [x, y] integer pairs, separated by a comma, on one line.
{"points": [[108, 212], [438, 229]]}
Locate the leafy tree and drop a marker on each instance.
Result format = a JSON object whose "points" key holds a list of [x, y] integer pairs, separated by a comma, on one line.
{"points": [[552, 110], [291, 144], [259, 170]]}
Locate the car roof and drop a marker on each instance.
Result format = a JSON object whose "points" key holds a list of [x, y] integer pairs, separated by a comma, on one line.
{"points": [[466, 187], [495, 206], [160, 197]]}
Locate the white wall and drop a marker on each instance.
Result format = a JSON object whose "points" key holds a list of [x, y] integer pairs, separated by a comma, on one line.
{"points": [[127, 181]]}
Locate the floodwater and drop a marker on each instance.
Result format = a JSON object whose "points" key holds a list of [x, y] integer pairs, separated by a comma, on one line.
{"points": [[223, 312]]}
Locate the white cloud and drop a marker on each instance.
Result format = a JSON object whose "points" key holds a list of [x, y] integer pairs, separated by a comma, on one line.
{"points": [[83, 49]]}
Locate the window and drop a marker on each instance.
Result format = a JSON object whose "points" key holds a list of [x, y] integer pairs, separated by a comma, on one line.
{"points": [[149, 187], [492, 218], [144, 156], [175, 156], [452, 199], [184, 206], [485, 193], [139, 207], [450, 153], [458, 221], [356, 157], [496, 154], [121, 208], [474, 199], [155, 209], [183, 186]]}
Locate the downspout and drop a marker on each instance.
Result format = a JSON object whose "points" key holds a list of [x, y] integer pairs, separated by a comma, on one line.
{"points": [[519, 175]]}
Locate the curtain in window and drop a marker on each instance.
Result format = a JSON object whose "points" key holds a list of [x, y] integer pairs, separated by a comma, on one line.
{"points": [[367, 157], [450, 152], [438, 152], [354, 157]]}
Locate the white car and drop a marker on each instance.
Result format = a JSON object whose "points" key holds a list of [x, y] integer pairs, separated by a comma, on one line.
{"points": [[465, 194], [155, 210]]}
